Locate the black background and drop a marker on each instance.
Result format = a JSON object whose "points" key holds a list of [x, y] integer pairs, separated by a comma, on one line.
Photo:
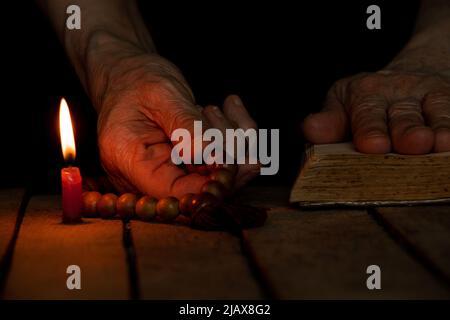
{"points": [[280, 56]]}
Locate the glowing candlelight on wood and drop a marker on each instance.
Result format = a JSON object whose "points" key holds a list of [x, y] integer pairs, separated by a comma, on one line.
{"points": [[70, 176]]}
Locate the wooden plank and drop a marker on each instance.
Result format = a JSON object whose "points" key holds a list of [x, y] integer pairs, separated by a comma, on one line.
{"points": [[324, 254], [264, 196], [426, 229], [10, 200], [176, 262], [45, 248]]}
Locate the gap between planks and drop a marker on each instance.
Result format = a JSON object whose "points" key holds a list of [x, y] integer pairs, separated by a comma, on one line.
{"points": [[294, 269], [177, 262], [123, 260], [324, 255], [292, 278], [423, 231], [13, 203], [45, 248]]}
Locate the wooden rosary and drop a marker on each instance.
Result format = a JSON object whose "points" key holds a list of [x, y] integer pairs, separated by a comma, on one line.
{"points": [[206, 210]]}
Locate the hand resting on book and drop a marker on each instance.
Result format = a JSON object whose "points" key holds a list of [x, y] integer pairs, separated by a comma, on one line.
{"points": [[403, 108]]}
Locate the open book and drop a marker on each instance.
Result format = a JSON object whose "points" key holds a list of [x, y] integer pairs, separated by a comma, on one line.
{"points": [[337, 174]]}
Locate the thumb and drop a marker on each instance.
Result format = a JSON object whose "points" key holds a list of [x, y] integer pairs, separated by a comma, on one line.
{"points": [[330, 124], [190, 118]]}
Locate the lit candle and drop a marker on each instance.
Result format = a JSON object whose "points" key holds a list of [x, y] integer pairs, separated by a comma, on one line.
{"points": [[70, 176]]}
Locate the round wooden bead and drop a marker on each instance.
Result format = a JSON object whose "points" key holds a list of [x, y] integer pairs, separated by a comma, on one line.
{"points": [[202, 200], [185, 204], [146, 208], [167, 208], [126, 205], [224, 176], [215, 188], [90, 199], [106, 206]]}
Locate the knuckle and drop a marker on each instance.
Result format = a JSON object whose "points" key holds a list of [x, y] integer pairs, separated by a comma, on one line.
{"points": [[436, 100], [368, 104], [436, 107], [365, 119], [408, 108], [366, 110]]}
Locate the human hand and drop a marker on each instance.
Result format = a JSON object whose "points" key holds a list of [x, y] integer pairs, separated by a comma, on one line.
{"points": [[142, 98], [407, 112]]}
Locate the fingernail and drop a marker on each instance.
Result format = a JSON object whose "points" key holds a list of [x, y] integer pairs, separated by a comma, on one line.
{"points": [[237, 101], [217, 112]]}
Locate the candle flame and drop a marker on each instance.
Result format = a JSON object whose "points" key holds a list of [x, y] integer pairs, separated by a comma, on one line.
{"points": [[66, 131]]}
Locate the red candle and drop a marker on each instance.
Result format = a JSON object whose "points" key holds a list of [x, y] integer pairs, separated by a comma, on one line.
{"points": [[70, 176]]}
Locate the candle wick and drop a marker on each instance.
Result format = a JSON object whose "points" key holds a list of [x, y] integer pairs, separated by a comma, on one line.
{"points": [[70, 162]]}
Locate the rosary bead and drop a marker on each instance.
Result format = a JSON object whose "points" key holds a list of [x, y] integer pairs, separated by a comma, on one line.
{"points": [[126, 205], [146, 208], [215, 188], [167, 208], [106, 206], [202, 200], [90, 199], [224, 176], [185, 204]]}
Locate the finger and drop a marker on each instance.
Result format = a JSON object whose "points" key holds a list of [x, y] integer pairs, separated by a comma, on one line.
{"points": [[407, 128], [154, 173], [218, 121], [223, 122], [216, 118], [436, 109], [180, 115], [369, 124], [329, 125], [235, 110]]}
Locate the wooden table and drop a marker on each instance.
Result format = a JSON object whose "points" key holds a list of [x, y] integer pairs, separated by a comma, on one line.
{"points": [[298, 254]]}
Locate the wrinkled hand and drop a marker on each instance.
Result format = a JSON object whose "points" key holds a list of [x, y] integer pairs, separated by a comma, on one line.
{"points": [[403, 112], [142, 98]]}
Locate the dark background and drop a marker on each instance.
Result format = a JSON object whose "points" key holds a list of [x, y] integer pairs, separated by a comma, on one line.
{"points": [[280, 56]]}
